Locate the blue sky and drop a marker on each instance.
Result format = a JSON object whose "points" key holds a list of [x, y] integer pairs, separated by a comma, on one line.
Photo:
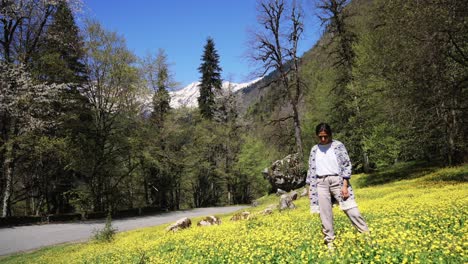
{"points": [[181, 28]]}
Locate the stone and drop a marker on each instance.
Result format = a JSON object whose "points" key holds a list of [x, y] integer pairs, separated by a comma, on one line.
{"points": [[273, 206], [286, 202], [254, 203], [245, 215], [209, 221], [240, 216], [294, 195], [280, 192], [180, 224], [286, 174], [304, 192]]}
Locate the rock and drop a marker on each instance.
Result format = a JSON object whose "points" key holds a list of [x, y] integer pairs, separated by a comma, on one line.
{"points": [[240, 216], [252, 216], [254, 203], [272, 206], [280, 192], [209, 220], [180, 224], [294, 195], [267, 211], [286, 174], [286, 202], [245, 215], [304, 193]]}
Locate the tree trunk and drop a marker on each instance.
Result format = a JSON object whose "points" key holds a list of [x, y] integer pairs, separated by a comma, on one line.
{"points": [[365, 161], [8, 172], [147, 198], [297, 131], [452, 134], [177, 194]]}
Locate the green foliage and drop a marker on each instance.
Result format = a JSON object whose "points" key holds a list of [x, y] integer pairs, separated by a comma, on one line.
{"points": [[202, 160], [26, 110], [397, 103], [107, 233], [254, 157], [319, 78], [101, 149], [250, 162], [157, 76], [384, 144], [408, 69], [80, 198]]}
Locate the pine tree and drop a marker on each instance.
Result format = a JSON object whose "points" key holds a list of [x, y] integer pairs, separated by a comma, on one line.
{"points": [[211, 79], [160, 79], [161, 100], [59, 59]]}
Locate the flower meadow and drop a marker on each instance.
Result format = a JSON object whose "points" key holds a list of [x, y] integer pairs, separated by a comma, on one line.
{"points": [[421, 219]]}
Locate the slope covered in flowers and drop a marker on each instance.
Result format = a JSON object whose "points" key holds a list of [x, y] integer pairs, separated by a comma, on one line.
{"points": [[419, 219]]}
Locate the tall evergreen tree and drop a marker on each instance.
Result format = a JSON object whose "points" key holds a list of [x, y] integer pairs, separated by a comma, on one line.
{"points": [[60, 57], [211, 79]]}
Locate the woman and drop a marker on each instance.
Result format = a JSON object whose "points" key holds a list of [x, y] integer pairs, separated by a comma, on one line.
{"points": [[328, 176]]}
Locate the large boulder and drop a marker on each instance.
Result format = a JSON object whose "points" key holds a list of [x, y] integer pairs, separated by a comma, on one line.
{"points": [[286, 174]]}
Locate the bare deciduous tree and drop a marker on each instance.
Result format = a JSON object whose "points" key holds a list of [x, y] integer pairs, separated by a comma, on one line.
{"points": [[275, 47]]}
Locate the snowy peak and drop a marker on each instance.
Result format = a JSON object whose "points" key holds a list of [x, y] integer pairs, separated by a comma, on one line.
{"points": [[188, 96]]}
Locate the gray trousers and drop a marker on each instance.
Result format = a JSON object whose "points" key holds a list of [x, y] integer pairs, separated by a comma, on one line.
{"points": [[326, 187]]}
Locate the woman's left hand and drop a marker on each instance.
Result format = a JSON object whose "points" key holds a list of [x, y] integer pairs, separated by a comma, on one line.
{"points": [[345, 192]]}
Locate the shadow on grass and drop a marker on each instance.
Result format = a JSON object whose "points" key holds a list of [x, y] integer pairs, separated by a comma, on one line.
{"points": [[403, 171]]}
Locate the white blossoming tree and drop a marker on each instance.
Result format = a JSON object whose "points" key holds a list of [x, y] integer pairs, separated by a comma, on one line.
{"points": [[25, 107]]}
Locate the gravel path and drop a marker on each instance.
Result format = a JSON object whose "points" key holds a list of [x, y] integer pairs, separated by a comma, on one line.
{"points": [[26, 238]]}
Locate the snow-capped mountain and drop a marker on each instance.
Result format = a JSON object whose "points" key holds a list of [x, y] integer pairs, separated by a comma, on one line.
{"points": [[188, 95]]}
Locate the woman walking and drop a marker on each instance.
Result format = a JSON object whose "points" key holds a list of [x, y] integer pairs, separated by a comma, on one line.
{"points": [[328, 177]]}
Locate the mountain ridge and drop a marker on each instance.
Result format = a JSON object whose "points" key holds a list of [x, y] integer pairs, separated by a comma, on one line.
{"points": [[188, 96]]}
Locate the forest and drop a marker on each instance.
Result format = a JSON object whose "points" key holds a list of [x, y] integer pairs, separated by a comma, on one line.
{"points": [[86, 125]]}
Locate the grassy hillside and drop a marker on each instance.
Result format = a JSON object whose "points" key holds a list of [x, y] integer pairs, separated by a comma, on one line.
{"points": [[417, 214]]}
